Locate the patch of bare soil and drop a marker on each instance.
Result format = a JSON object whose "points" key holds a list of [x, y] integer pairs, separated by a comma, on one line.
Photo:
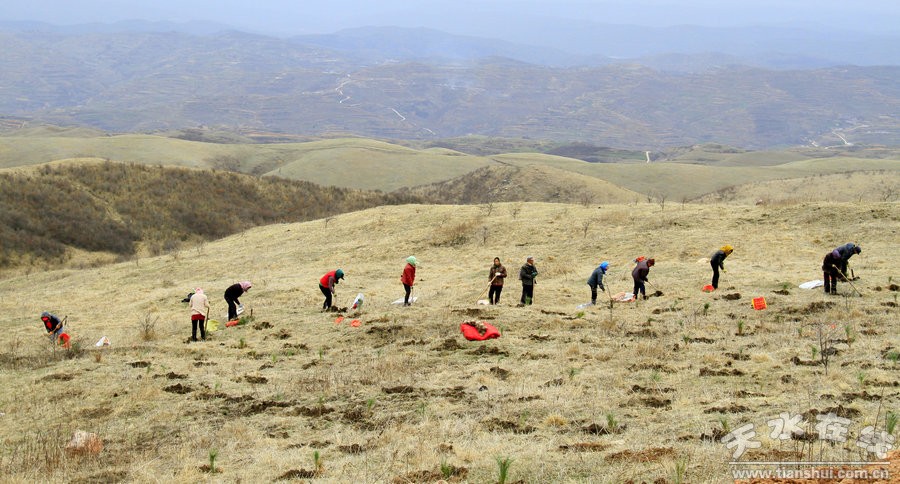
{"points": [[398, 389], [380, 330], [352, 449], [715, 435], [656, 402], [701, 340], [139, 364], [262, 325], [297, 474], [601, 429], [733, 408], [652, 366], [584, 447], [102, 478], [811, 308], [499, 372], [496, 424], [178, 388], [797, 361], [738, 356], [209, 470], [256, 380], [489, 350], [746, 394], [414, 342], [644, 333], [732, 297], [840, 411], [449, 344], [317, 411], [539, 337], [454, 474], [262, 406], [653, 454], [721, 372], [640, 389], [59, 377]]}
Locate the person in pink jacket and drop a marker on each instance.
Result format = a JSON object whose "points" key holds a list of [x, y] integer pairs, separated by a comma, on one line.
{"points": [[199, 310], [408, 278]]}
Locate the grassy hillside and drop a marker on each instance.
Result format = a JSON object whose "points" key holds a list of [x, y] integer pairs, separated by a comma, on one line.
{"points": [[874, 186], [403, 393], [50, 213], [378, 165], [503, 183]]}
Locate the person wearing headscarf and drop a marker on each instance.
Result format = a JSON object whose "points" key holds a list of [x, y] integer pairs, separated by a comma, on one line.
{"points": [[232, 294], [596, 280], [717, 261], [497, 274], [408, 278], [52, 324], [326, 285], [199, 309]]}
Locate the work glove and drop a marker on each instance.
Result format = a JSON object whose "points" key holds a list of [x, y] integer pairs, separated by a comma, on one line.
{"points": [[724, 270]]}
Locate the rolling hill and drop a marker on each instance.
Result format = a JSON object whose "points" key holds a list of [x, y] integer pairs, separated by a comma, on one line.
{"points": [[378, 165], [88, 211], [153, 81]]}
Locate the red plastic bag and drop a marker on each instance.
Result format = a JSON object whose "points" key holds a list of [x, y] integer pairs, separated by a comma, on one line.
{"points": [[471, 333]]}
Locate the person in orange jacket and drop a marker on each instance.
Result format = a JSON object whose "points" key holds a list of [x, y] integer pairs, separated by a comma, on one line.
{"points": [[408, 278]]}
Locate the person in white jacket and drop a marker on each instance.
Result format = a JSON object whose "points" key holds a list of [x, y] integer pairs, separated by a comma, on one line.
{"points": [[199, 309]]}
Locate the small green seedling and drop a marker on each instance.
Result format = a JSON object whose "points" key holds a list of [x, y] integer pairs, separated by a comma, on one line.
{"points": [[503, 465]]}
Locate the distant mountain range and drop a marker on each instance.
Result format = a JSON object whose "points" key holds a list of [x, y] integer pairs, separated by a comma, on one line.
{"points": [[423, 84]]}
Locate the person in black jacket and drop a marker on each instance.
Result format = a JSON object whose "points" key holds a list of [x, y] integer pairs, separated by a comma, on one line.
{"points": [[830, 271], [52, 324], [844, 253], [639, 274], [596, 280], [717, 261], [232, 294], [527, 274]]}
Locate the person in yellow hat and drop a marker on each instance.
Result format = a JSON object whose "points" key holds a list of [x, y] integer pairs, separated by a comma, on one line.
{"points": [[717, 261]]}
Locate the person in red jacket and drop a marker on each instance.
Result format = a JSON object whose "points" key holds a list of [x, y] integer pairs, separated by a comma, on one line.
{"points": [[408, 278], [326, 285]]}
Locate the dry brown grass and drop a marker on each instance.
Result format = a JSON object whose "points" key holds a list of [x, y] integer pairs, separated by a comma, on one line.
{"points": [[404, 392]]}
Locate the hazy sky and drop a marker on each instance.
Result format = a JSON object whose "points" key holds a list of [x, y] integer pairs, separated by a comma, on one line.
{"points": [[473, 17]]}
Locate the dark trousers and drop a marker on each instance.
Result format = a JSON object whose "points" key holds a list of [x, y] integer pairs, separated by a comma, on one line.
{"points": [[527, 293], [327, 293], [715, 281], [408, 289], [593, 294], [639, 288], [494, 294], [831, 279], [194, 324], [232, 308]]}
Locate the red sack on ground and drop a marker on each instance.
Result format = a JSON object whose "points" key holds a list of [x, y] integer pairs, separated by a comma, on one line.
{"points": [[471, 332], [232, 323], [708, 288], [63, 340]]}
